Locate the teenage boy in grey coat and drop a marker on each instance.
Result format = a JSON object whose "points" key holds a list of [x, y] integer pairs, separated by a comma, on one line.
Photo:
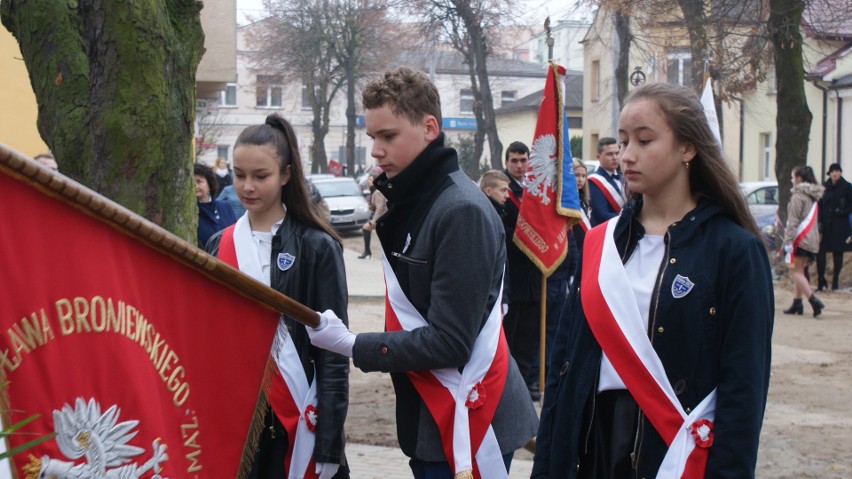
{"points": [[446, 247]]}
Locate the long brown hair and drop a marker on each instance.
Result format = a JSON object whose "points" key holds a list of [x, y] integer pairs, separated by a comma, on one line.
{"points": [[709, 174], [278, 133]]}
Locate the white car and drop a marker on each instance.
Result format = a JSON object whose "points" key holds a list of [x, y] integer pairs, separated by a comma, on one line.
{"points": [[762, 199], [347, 207], [761, 196]]}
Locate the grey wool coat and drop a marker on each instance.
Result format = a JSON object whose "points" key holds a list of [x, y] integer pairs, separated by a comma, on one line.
{"points": [[447, 247]]}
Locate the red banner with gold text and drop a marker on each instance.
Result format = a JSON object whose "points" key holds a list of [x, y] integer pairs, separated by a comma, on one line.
{"points": [[142, 366]]}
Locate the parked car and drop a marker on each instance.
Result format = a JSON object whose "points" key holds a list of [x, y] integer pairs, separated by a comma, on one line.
{"points": [[347, 207], [762, 200], [318, 200]]}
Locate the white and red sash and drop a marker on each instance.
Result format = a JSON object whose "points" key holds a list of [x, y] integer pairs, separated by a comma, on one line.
{"points": [[802, 231], [584, 220], [293, 400], [462, 403], [614, 318], [613, 195]]}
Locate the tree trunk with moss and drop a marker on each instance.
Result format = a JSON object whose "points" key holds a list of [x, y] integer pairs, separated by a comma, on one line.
{"points": [[115, 87], [793, 120]]}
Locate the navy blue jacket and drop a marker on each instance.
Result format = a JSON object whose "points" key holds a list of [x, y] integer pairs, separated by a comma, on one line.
{"points": [[601, 209], [213, 216], [718, 335]]}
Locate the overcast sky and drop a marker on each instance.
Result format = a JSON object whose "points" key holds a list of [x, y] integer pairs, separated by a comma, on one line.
{"points": [[534, 13]]}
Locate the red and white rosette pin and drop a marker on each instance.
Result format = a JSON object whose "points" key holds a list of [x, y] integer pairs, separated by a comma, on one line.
{"points": [[476, 396], [311, 417], [702, 431]]}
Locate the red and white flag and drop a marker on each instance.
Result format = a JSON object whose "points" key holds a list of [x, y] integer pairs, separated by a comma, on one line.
{"points": [[141, 364], [550, 199]]}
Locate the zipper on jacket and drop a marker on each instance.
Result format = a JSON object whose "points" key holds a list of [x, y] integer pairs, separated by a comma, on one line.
{"points": [[408, 259], [594, 405], [652, 321]]}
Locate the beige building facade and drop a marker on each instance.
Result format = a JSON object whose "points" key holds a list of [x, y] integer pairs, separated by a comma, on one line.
{"points": [[18, 121], [748, 121]]}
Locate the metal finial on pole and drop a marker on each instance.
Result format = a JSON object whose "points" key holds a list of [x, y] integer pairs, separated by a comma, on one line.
{"points": [[548, 39]]}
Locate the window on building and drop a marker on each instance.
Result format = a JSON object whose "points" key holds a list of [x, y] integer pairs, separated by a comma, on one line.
{"points": [[222, 151], [595, 81], [771, 82], [575, 122], [679, 68], [593, 146], [269, 90], [228, 97], [466, 102], [507, 97], [766, 163]]}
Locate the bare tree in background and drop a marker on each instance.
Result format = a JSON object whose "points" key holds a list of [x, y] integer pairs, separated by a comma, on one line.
{"points": [[295, 43], [363, 43], [115, 87], [466, 26], [793, 120], [210, 126]]}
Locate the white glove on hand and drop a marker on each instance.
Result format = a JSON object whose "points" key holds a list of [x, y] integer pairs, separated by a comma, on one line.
{"points": [[788, 248], [505, 308], [332, 335], [326, 470]]}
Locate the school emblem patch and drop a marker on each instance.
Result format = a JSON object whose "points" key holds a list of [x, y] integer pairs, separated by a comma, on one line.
{"points": [[681, 286], [285, 260]]}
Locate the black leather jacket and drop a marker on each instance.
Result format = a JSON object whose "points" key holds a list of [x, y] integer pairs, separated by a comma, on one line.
{"points": [[316, 279]]}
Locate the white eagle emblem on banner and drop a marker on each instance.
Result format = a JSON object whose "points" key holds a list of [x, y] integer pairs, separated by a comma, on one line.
{"points": [[83, 432], [542, 174]]}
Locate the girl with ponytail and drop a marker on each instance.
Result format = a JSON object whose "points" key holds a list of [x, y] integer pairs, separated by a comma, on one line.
{"points": [[283, 242]]}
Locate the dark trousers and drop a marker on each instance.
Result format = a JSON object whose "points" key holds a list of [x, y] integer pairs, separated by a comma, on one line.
{"points": [[441, 470], [611, 437], [520, 325], [838, 265]]}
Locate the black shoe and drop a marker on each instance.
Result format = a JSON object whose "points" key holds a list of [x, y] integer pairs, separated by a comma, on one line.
{"points": [[796, 308], [816, 304], [822, 285], [365, 254]]}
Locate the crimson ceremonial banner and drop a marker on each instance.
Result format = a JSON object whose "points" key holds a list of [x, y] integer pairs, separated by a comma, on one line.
{"points": [[141, 364], [541, 230]]}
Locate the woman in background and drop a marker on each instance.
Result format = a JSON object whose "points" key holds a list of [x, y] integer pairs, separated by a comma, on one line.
{"points": [[213, 215], [801, 236], [378, 207]]}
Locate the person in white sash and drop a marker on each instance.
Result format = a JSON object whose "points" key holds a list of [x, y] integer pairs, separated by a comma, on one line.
{"points": [[661, 363], [283, 242], [801, 236], [606, 190], [462, 408]]}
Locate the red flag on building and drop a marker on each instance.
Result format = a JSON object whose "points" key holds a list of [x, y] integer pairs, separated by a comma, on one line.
{"points": [[541, 231], [138, 361]]}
